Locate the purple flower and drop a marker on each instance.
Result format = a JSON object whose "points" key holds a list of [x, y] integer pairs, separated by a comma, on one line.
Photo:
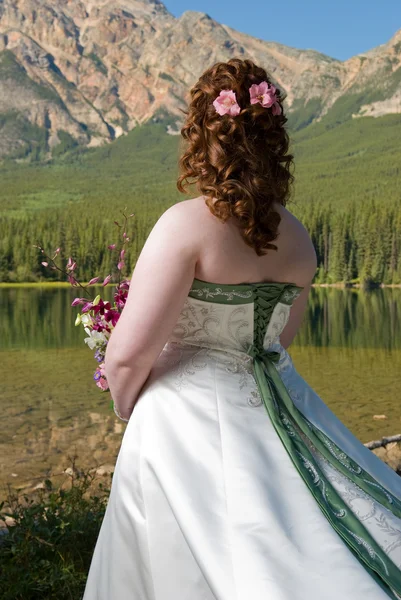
{"points": [[99, 356]]}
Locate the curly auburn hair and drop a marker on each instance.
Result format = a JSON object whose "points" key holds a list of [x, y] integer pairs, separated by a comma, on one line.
{"points": [[241, 164]]}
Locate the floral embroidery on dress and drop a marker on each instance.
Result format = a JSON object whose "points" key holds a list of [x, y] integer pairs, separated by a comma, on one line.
{"points": [[382, 525], [196, 361], [338, 454], [291, 294], [389, 497], [235, 326], [196, 323], [287, 424], [278, 320], [319, 481], [254, 399], [385, 526], [198, 329], [209, 293], [369, 549]]}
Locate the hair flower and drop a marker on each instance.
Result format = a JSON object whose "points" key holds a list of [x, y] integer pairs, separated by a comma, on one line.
{"points": [[226, 103], [265, 94]]}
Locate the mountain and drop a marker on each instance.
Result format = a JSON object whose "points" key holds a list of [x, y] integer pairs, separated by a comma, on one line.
{"points": [[80, 72]]}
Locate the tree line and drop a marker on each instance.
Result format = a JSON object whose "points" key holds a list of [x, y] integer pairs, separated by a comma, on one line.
{"points": [[357, 244]]}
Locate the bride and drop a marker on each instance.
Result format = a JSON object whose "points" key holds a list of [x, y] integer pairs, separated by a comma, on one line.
{"points": [[234, 480]]}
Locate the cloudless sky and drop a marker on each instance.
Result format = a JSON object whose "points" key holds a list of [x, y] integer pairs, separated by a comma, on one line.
{"points": [[338, 28]]}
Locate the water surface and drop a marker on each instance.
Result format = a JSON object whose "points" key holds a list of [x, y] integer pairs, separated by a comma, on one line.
{"points": [[348, 349]]}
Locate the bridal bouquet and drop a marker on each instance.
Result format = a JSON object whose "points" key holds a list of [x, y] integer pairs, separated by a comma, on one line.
{"points": [[97, 317]]}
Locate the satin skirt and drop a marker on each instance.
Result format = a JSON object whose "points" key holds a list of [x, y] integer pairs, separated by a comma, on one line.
{"points": [[206, 503]]}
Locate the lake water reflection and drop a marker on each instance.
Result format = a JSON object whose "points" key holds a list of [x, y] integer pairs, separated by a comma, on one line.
{"points": [[348, 349]]}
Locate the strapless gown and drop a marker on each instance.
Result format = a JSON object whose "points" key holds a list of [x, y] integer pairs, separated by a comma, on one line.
{"points": [[234, 481]]}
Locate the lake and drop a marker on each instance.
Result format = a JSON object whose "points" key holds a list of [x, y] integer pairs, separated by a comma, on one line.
{"points": [[348, 349]]}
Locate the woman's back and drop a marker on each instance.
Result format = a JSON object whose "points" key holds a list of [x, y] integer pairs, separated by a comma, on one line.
{"points": [[224, 257]]}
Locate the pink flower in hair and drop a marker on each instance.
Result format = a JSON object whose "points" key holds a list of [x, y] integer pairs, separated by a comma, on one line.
{"points": [[226, 103], [265, 94]]}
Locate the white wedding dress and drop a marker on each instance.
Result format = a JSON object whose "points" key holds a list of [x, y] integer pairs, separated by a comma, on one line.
{"points": [[235, 481]]}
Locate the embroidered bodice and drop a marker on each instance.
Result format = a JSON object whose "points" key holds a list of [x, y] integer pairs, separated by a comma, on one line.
{"points": [[246, 317]]}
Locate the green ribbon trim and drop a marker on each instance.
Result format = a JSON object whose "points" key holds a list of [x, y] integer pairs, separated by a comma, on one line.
{"points": [[289, 423]]}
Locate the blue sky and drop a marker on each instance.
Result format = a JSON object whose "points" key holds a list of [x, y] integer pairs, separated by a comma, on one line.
{"points": [[339, 28]]}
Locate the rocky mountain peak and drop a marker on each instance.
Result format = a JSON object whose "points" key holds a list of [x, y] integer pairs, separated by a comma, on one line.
{"points": [[93, 70]]}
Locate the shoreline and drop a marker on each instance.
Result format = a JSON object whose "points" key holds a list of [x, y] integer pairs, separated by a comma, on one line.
{"points": [[387, 448], [356, 285], [51, 284]]}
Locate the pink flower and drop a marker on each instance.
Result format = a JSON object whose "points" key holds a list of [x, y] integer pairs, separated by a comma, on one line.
{"points": [[276, 109], [265, 94], [101, 307], [226, 103], [102, 384], [94, 280], [71, 264], [87, 306], [45, 264], [111, 246], [120, 265], [77, 301], [111, 315], [72, 280], [122, 254], [107, 280]]}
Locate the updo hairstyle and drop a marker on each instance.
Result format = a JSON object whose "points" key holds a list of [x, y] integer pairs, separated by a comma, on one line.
{"points": [[241, 164]]}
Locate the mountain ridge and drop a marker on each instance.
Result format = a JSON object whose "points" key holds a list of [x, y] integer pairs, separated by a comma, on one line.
{"points": [[76, 72]]}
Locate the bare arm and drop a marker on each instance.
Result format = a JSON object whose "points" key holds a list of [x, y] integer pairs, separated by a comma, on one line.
{"points": [[159, 286], [296, 317], [306, 271]]}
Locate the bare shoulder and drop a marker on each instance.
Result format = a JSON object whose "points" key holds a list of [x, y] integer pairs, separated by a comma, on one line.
{"points": [[192, 216], [181, 212], [297, 240], [292, 225], [184, 209], [181, 224]]}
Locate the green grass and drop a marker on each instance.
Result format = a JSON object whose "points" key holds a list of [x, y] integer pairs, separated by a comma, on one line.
{"points": [[357, 160], [47, 551]]}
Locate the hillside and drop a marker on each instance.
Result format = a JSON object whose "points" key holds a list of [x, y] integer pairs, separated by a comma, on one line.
{"points": [[80, 73], [347, 193]]}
